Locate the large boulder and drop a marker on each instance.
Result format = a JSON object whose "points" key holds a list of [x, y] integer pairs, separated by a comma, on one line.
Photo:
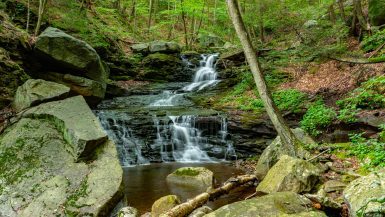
{"points": [[201, 211], [276, 204], [198, 178], [274, 151], [40, 175], [165, 67], [290, 174], [377, 12], [365, 196], [164, 204], [92, 91], [156, 47], [68, 54], [72, 116], [36, 91]]}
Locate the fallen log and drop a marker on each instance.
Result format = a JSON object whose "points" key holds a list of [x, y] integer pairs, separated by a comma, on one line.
{"points": [[188, 207], [357, 61]]}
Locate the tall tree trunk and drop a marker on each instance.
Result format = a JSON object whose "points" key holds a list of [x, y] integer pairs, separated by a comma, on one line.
{"points": [[260, 21], [42, 8], [184, 24], [289, 140], [332, 14], [342, 10], [150, 15], [28, 15]]}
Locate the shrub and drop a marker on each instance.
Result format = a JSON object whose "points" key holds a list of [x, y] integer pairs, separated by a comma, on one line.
{"points": [[317, 117], [290, 100], [371, 150]]}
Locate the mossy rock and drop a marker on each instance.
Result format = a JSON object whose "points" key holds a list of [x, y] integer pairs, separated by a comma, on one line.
{"points": [[290, 174], [164, 204], [162, 67], [365, 195], [198, 178], [276, 204]]}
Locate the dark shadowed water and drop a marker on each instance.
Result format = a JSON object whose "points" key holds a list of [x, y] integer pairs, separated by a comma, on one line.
{"points": [[147, 183]]}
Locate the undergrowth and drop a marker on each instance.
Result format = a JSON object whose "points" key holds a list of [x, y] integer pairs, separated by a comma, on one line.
{"points": [[317, 118]]}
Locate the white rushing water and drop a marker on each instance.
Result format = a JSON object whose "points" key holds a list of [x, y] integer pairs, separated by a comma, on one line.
{"points": [[206, 75], [168, 98]]}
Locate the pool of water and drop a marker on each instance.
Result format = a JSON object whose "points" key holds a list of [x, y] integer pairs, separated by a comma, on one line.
{"points": [[146, 183]]}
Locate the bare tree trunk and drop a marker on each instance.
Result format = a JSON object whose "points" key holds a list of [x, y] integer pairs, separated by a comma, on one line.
{"points": [[289, 140], [150, 15], [342, 10], [184, 24], [28, 15], [42, 7], [260, 19], [332, 14], [186, 208]]}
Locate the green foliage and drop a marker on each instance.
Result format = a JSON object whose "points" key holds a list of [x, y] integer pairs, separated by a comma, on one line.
{"points": [[317, 118], [290, 100], [371, 151], [372, 42], [186, 172], [370, 95]]}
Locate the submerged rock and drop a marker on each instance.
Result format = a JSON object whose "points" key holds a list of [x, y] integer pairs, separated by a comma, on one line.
{"points": [[275, 204], [70, 54], [72, 116], [198, 178], [40, 174], [36, 91], [273, 152], [290, 174], [365, 196], [164, 204]]}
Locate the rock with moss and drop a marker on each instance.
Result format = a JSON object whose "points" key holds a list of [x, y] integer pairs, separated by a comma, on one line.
{"points": [[334, 185], [92, 91], [164, 47], [142, 48], [377, 12], [62, 51], [365, 196], [72, 116], [210, 40], [275, 204], [42, 177], [164, 204], [273, 152], [36, 91], [128, 212], [163, 67], [198, 178], [201, 211], [290, 174]]}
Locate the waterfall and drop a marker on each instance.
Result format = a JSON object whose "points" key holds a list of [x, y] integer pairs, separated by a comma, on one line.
{"points": [[206, 75], [168, 98]]}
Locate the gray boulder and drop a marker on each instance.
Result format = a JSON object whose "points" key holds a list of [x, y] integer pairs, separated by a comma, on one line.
{"points": [[365, 196], [276, 204], [197, 178], [72, 116], [36, 91], [201, 211], [156, 47], [128, 212], [290, 174], [42, 177], [66, 52], [92, 91], [273, 152]]}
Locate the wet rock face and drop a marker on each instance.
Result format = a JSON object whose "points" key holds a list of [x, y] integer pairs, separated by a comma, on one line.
{"points": [[365, 196], [41, 172]]}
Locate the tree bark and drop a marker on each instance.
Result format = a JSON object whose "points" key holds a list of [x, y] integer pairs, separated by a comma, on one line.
{"points": [[184, 24], [289, 140], [150, 15], [188, 207], [42, 7], [342, 10]]}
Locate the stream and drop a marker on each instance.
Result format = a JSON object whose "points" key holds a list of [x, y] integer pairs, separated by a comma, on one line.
{"points": [[158, 130]]}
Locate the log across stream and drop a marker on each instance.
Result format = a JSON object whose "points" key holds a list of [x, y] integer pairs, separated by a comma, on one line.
{"points": [[147, 183]]}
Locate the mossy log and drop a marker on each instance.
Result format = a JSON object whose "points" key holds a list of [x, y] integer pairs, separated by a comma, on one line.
{"points": [[188, 207]]}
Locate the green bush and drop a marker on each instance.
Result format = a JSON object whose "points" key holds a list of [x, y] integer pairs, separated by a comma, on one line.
{"points": [[371, 151], [370, 95], [372, 42], [290, 100], [317, 117]]}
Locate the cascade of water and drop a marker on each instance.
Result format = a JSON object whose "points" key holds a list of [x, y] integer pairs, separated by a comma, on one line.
{"points": [[168, 98], [187, 140], [128, 147], [206, 75], [230, 151]]}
